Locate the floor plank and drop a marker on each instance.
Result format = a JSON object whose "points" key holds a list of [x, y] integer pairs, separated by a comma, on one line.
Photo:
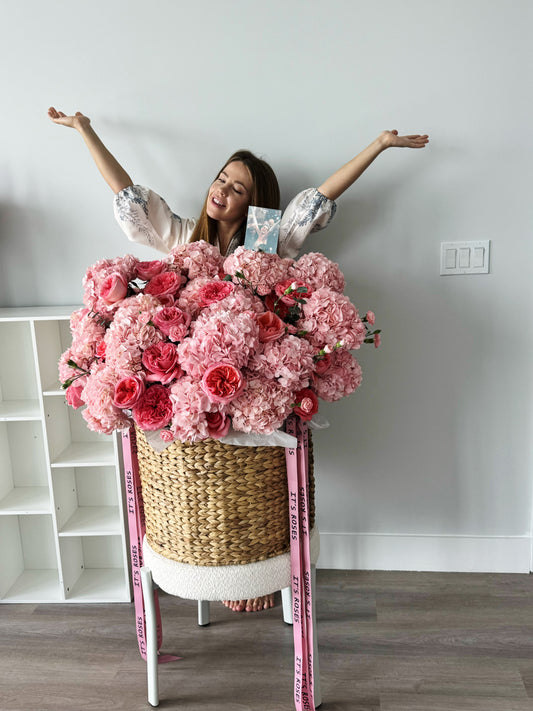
{"points": [[389, 641]]}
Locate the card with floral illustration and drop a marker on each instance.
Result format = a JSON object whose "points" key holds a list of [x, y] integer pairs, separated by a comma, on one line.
{"points": [[262, 229]]}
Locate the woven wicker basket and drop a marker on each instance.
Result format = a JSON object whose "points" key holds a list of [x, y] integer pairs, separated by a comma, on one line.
{"points": [[208, 503]]}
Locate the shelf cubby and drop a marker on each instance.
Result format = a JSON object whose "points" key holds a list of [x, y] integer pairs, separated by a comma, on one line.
{"points": [[93, 568], [28, 560], [24, 487], [18, 384], [86, 501], [61, 493]]}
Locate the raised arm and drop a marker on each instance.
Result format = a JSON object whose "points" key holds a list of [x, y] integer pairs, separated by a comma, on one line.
{"points": [[111, 170], [341, 180]]}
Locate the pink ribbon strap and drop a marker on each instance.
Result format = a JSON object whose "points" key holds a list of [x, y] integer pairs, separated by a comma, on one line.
{"points": [[302, 603], [137, 530]]}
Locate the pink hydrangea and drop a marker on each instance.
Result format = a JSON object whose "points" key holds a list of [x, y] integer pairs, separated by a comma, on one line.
{"points": [[96, 282], [263, 406], [318, 271], [329, 317], [342, 378], [101, 414], [221, 337], [200, 353], [288, 360], [240, 299], [131, 332], [261, 269], [190, 405], [196, 259], [88, 330]]}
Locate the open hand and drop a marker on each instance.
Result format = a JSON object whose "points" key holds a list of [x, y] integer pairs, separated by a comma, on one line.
{"points": [[390, 139], [77, 121]]}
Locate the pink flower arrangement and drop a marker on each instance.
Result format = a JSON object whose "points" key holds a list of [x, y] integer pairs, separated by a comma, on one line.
{"points": [[194, 344]]}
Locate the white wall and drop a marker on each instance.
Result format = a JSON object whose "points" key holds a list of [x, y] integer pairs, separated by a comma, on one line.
{"points": [[429, 465]]}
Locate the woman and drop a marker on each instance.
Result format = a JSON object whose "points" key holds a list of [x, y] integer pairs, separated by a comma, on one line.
{"points": [[243, 180]]}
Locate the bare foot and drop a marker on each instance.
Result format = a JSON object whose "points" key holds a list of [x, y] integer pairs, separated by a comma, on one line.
{"points": [[254, 604]]}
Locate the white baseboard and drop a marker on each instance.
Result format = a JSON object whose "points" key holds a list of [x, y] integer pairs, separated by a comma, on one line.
{"points": [[468, 554]]}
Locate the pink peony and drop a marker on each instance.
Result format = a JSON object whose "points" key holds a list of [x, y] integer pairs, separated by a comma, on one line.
{"points": [[154, 409], [222, 382], [148, 270], [161, 362], [114, 288], [306, 404], [164, 284], [271, 327], [100, 350], [173, 322], [218, 424], [214, 291], [127, 391]]}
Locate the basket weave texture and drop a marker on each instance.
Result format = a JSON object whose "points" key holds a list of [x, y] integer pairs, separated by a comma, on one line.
{"points": [[208, 503]]}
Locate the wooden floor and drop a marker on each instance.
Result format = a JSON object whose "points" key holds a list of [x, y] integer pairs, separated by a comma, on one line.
{"points": [[388, 642]]}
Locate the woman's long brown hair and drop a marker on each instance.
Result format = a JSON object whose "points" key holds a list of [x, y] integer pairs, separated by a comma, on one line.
{"points": [[265, 193]]}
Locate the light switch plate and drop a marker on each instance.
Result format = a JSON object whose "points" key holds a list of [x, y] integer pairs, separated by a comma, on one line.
{"points": [[465, 257]]}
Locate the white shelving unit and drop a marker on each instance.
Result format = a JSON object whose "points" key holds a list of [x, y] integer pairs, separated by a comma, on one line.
{"points": [[62, 531]]}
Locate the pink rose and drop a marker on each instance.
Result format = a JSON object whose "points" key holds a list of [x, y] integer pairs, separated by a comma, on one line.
{"points": [[217, 424], [297, 290], [114, 288], [153, 410], [306, 404], [271, 327], [161, 360], [167, 283], [215, 291], [222, 382], [127, 391], [370, 317], [100, 350], [166, 436], [322, 364], [173, 322], [73, 394], [148, 270], [377, 340]]}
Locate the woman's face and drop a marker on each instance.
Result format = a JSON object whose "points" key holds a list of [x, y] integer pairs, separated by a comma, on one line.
{"points": [[230, 194]]}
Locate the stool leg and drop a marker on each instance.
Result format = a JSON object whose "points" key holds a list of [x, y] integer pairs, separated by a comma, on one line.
{"points": [[151, 636], [316, 666], [203, 613], [286, 603]]}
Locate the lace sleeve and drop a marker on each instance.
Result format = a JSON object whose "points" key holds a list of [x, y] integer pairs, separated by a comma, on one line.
{"points": [[308, 212], [147, 219]]}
